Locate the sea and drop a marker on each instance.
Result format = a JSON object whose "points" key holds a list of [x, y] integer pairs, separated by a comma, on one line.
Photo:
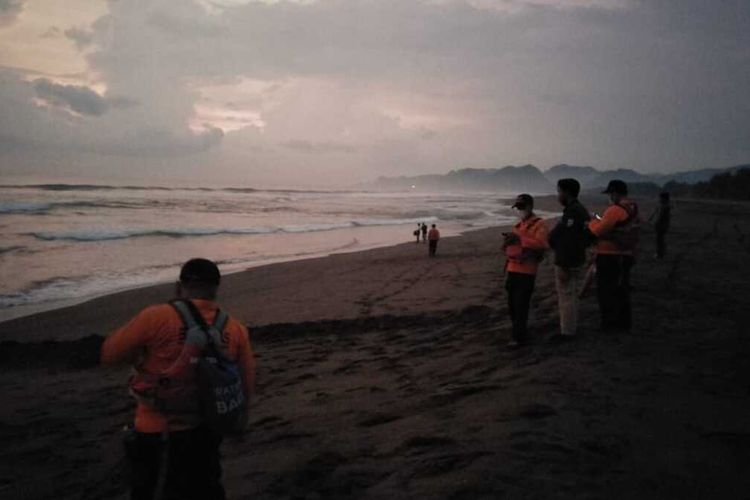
{"points": [[61, 244]]}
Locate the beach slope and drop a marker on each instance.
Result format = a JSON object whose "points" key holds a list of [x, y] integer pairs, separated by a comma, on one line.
{"points": [[384, 374]]}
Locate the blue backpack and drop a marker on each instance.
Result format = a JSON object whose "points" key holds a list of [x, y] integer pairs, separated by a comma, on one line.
{"points": [[221, 397]]}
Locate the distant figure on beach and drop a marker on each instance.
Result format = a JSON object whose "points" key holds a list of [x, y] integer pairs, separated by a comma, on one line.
{"points": [[424, 232], [524, 250], [433, 236], [617, 231], [416, 231], [569, 239], [174, 447], [663, 216]]}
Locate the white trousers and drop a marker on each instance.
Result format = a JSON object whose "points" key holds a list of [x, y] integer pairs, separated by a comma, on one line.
{"points": [[568, 281]]}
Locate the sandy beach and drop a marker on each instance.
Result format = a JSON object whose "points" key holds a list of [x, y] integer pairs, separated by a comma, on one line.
{"points": [[384, 374]]}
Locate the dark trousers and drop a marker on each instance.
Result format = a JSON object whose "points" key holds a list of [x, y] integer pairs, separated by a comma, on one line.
{"points": [[520, 287], [433, 247], [661, 244], [613, 290], [188, 461]]}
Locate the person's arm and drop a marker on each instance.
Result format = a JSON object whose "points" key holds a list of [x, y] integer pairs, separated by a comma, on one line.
{"points": [[538, 239], [246, 360], [556, 231], [602, 228], [125, 344]]}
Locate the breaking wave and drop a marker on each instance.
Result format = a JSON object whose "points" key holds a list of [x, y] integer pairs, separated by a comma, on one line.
{"points": [[119, 234]]}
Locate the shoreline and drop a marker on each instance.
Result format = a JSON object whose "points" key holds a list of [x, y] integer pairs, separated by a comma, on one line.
{"points": [[71, 316], [123, 304], [40, 308]]}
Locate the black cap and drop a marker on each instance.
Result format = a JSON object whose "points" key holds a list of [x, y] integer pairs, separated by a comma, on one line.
{"points": [[523, 201], [200, 271], [616, 186]]}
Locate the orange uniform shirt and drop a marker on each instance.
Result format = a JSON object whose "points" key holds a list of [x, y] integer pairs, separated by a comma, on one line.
{"points": [[153, 340], [433, 235], [533, 234], [614, 216]]}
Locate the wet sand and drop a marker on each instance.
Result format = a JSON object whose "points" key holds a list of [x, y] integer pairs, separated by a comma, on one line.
{"points": [[384, 374]]}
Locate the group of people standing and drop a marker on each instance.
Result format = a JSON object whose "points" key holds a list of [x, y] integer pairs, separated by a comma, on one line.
{"points": [[432, 236], [614, 239], [194, 367]]}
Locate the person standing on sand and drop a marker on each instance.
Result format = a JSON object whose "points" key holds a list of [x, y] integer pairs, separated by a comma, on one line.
{"points": [[617, 234], [174, 455], [416, 232], [424, 232], [663, 216], [433, 236], [569, 239], [524, 250]]}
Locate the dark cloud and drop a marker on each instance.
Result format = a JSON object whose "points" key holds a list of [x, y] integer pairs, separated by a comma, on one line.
{"points": [[318, 147], [79, 99], [80, 36], [652, 85], [158, 142], [9, 10], [52, 32], [27, 130]]}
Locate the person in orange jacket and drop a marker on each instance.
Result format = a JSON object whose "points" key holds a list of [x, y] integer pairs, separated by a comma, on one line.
{"points": [[433, 237], [524, 249], [175, 455], [617, 240]]}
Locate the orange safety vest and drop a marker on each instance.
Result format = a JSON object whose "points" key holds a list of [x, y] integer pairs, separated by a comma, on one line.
{"points": [[155, 337], [524, 257], [618, 229]]}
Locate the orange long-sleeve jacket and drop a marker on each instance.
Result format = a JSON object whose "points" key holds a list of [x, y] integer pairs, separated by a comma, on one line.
{"points": [[603, 229], [523, 257], [433, 235], [153, 340]]}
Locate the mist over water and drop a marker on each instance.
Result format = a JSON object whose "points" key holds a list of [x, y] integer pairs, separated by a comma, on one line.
{"points": [[63, 243]]}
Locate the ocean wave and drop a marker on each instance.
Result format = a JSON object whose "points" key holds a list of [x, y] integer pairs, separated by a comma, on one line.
{"points": [[13, 248], [24, 208], [119, 234], [107, 234], [43, 208], [83, 187], [106, 187]]}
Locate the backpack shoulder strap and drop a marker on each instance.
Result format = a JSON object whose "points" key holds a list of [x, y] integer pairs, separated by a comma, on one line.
{"points": [[216, 330], [221, 320], [186, 313]]}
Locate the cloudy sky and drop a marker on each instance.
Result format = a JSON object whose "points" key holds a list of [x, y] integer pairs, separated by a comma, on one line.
{"points": [[332, 92]]}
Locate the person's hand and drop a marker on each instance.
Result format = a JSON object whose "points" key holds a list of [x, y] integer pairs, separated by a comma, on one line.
{"points": [[511, 239]]}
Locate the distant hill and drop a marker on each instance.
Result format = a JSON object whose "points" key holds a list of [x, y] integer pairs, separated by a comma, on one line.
{"points": [[731, 184], [590, 177], [702, 175], [528, 178], [585, 175]]}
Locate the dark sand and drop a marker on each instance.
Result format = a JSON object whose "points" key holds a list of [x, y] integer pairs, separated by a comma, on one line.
{"points": [[390, 379]]}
